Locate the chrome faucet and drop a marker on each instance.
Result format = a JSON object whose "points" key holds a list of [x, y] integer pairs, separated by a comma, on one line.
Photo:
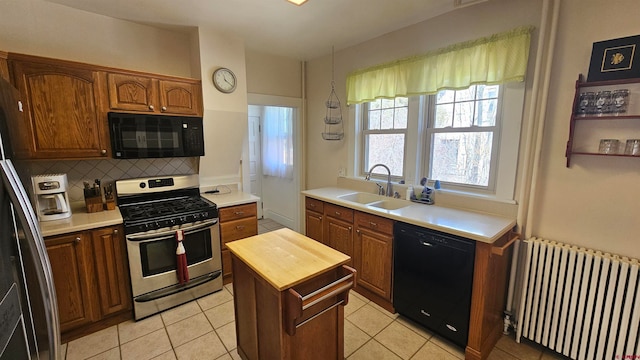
{"points": [[389, 192]]}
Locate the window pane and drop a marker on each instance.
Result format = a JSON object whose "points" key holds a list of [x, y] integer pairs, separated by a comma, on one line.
{"points": [[486, 112], [374, 120], [463, 158], [444, 116], [444, 96], [387, 103], [463, 115], [373, 105], [487, 91], [387, 119], [386, 149], [466, 94], [400, 120], [402, 101]]}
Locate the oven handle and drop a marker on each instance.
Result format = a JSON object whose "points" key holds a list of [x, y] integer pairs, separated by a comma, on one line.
{"points": [[171, 233]]}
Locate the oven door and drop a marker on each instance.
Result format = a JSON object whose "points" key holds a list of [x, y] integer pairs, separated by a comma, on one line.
{"points": [[152, 258]]}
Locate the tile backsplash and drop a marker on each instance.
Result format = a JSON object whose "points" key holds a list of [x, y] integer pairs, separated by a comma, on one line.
{"points": [[107, 170]]}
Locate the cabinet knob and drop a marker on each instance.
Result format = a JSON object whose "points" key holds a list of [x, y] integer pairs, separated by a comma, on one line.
{"points": [[151, 107], [164, 108], [103, 151], [338, 213], [358, 231], [350, 228], [115, 232], [372, 224], [239, 212], [239, 227], [77, 240]]}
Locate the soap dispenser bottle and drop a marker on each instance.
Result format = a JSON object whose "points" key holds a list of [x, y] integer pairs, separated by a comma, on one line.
{"points": [[410, 195]]}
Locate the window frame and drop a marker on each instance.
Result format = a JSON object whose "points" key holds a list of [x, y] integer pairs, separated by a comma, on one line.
{"points": [[364, 132], [496, 129]]}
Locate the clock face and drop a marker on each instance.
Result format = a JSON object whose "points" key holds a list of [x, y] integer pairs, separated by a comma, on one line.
{"points": [[224, 80]]}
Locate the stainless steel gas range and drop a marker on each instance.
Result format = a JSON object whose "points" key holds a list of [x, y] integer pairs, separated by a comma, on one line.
{"points": [[156, 212]]}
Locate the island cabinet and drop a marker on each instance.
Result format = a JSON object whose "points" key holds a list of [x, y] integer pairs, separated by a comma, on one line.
{"points": [[90, 273], [155, 95], [373, 254], [313, 219], [236, 222], [63, 116], [289, 297]]}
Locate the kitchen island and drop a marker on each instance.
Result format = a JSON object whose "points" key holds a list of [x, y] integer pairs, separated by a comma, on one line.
{"points": [[289, 297]]}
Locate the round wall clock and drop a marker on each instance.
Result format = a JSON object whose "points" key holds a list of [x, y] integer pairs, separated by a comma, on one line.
{"points": [[224, 80]]}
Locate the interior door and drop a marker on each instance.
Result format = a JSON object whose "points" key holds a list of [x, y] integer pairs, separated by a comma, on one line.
{"points": [[255, 164]]}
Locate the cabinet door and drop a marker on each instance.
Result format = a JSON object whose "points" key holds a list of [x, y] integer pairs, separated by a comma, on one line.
{"points": [[132, 93], [111, 269], [62, 110], [4, 66], [177, 97], [338, 234], [313, 226], [373, 260], [70, 258]]}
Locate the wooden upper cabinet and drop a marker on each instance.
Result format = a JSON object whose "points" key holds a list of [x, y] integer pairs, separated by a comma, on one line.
{"points": [[4, 66], [180, 97], [159, 96], [62, 110], [132, 93]]}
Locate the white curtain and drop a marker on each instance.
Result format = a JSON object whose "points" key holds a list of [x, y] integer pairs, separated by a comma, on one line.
{"points": [[277, 142]]}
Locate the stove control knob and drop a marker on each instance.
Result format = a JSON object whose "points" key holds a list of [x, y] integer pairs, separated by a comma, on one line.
{"points": [[171, 222], [143, 185]]}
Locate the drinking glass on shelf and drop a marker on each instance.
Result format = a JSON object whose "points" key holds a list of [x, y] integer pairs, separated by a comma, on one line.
{"points": [[586, 103], [620, 99], [633, 147], [608, 146], [603, 100]]}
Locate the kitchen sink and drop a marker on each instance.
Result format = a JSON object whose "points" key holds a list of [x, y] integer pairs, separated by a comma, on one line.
{"points": [[361, 198], [389, 204]]}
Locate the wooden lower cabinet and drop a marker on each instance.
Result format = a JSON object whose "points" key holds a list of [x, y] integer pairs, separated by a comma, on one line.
{"points": [[91, 276], [72, 267], [313, 219], [373, 253], [236, 222], [338, 229]]}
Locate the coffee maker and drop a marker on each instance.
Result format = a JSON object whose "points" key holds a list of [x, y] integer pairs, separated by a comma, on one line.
{"points": [[51, 198]]}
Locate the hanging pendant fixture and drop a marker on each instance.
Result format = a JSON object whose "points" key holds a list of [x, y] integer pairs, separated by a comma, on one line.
{"points": [[333, 129]]}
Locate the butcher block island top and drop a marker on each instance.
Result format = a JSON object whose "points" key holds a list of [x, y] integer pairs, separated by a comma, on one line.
{"points": [[285, 258]]}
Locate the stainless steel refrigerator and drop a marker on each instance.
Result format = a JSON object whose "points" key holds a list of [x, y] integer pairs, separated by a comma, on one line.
{"points": [[29, 325]]}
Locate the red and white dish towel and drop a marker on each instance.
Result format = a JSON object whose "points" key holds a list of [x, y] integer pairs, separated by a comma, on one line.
{"points": [[181, 255]]}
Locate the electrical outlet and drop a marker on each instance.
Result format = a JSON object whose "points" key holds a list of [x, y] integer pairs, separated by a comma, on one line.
{"points": [[342, 172]]}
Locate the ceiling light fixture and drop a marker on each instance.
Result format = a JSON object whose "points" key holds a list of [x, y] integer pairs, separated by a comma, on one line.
{"points": [[297, 2]]}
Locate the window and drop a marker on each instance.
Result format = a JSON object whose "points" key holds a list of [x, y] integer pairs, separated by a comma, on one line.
{"points": [[463, 134], [384, 131], [468, 139]]}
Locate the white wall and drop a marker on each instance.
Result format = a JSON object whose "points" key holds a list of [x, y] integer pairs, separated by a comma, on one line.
{"points": [[225, 115], [273, 75], [37, 27], [594, 203]]}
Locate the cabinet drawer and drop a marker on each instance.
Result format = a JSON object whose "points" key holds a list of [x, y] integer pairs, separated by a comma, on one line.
{"points": [[375, 223], [314, 205], [238, 212], [338, 212], [238, 229]]}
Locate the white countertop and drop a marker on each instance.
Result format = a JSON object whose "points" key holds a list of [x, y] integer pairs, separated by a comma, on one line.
{"points": [[230, 199], [80, 220], [472, 225]]}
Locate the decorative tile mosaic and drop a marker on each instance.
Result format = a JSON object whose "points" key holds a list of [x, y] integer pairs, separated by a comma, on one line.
{"points": [[108, 170]]}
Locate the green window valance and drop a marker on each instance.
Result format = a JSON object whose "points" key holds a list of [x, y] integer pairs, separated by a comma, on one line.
{"points": [[495, 59]]}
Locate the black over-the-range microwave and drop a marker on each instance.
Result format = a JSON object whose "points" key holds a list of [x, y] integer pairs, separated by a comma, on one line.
{"points": [[138, 136]]}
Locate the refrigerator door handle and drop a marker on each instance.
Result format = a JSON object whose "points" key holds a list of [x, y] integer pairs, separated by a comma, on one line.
{"points": [[26, 216]]}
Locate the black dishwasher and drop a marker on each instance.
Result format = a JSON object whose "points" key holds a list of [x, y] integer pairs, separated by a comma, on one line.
{"points": [[433, 275]]}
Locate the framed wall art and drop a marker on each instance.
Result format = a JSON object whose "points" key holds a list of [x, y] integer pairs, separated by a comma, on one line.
{"points": [[615, 59]]}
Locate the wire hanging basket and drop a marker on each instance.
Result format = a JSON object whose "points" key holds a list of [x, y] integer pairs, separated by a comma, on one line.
{"points": [[333, 128]]}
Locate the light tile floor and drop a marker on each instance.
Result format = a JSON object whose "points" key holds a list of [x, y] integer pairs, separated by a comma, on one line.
{"points": [[205, 329]]}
